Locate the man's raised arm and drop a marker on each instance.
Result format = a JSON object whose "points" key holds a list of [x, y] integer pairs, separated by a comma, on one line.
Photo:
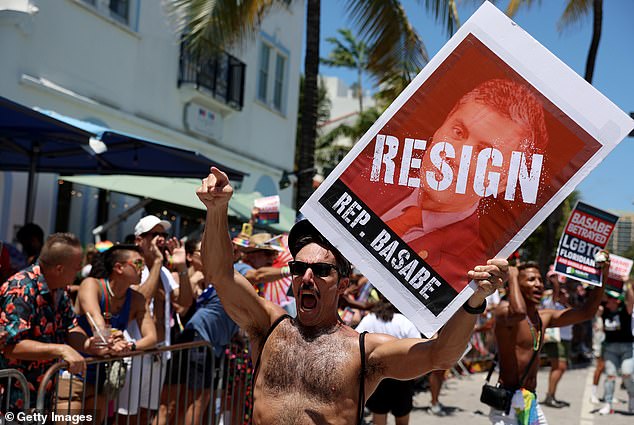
{"points": [[238, 297], [514, 311], [410, 358], [570, 316]]}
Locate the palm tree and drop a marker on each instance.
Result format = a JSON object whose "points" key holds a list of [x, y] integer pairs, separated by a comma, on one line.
{"points": [[349, 53], [323, 113], [574, 12], [210, 24]]}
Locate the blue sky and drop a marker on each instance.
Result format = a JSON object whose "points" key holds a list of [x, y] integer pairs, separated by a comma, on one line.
{"points": [[611, 184]]}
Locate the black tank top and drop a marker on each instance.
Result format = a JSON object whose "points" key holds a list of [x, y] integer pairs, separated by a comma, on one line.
{"points": [[617, 325], [362, 372]]}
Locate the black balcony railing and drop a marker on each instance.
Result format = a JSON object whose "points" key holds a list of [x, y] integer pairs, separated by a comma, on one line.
{"points": [[219, 73]]}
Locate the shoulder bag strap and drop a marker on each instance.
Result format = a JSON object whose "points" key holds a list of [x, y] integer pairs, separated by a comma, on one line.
{"points": [[528, 368], [492, 368]]}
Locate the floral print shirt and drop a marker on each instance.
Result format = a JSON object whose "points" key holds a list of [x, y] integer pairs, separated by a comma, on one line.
{"points": [[30, 310]]}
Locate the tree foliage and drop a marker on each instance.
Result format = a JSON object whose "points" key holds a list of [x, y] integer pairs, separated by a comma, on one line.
{"points": [[541, 245]]}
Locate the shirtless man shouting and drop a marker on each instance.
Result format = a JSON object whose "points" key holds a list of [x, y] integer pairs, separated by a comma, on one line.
{"points": [[519, 331], [314, 369]]}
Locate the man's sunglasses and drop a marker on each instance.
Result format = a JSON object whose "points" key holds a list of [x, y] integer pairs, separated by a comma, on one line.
{"points": [[298, 268], [152, 235], [138, 264]]}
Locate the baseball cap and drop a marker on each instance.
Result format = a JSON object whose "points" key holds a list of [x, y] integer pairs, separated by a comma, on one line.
{"points": [[614, 293], [148, 222], [304, 228]]}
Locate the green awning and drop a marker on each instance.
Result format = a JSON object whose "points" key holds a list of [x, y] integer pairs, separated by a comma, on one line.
{"points": [[180, 191]]}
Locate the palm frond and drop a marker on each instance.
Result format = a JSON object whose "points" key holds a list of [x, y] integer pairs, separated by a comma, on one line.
{"points": [[349, 53], [445, 11], [574, 13], [513, 7], [217, 23], [390, 37], [326, 140]]}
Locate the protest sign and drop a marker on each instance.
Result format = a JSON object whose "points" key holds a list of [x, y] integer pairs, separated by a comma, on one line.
{"points": [[267, 210], [619, 272], [478, 150], [586, 233], [620, 267]]}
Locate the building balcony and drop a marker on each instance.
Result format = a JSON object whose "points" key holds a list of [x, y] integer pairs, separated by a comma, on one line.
{"points": [[219, 74]]}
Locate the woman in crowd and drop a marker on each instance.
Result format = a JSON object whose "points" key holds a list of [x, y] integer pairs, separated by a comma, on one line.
{"points": [[105, 305]]}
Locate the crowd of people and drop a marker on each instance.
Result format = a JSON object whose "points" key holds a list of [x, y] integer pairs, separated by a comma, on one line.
{"points": [[329, 348]]}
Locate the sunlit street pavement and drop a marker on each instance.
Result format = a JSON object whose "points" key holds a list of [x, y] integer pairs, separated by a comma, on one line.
{"points": [[461, 397]]}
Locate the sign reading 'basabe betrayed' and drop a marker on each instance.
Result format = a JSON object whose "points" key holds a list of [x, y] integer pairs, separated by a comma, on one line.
{"points": [[586, 233], [479, 149]]}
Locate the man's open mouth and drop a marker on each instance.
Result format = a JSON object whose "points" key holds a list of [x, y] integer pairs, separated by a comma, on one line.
{"points": [[308, 300]]}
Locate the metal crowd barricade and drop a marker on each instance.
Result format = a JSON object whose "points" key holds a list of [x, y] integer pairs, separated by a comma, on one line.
{"points": [[10, 374], [180, 384]]}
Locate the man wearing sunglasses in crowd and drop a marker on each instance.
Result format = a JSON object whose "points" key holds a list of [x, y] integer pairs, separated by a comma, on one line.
{"points": [[315, 369]]}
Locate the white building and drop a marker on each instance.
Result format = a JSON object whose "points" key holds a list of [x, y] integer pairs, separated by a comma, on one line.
{"points": [[344, 108], [344, 102], [118, 63], [622, 237]]}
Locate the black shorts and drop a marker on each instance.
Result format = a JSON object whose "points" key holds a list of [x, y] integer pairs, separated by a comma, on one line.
{"points": [[557, 349], [194, 366], [392, 396]]}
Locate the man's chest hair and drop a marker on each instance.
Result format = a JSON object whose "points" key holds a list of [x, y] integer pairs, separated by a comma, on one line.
{"points": [[322, 367]]}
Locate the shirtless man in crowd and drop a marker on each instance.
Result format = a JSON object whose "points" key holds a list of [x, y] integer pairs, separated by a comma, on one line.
{"points": [[314, 369], [519, 332]]}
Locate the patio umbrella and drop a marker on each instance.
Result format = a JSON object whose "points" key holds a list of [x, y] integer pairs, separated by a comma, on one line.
{"points": [[41, 141]]}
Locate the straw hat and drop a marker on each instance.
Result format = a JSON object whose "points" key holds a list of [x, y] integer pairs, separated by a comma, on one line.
{"points": [[259, 242]]}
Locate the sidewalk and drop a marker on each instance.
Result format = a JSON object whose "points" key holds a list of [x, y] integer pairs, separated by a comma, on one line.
{"points": [[462, 395]]}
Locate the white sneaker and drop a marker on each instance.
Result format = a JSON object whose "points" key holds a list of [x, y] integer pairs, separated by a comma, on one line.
{"points": [[594, 399], [438, 410], [606, 409]]}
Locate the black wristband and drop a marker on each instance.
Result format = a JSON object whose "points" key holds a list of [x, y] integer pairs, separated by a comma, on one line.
{"points": [[133, 346], [477, 310]]}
